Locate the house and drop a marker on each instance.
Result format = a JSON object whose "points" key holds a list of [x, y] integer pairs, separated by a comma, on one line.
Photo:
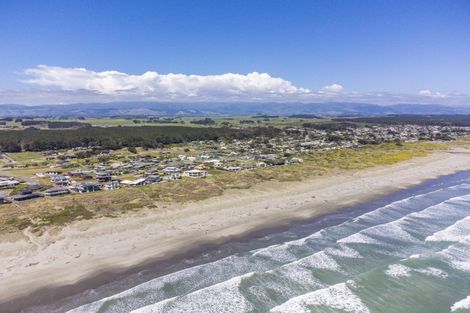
{"points": [[86, 187], [82, 173], [195, 173], [214, 162], [111, 185], [200, 167], [232, 168], [56, 191], [134, 183], [31, 189], [151, 172], [8, 183], [60, 180], [173, 176], [151, 179], [53, 173], [103, 176], [26, 196], [171, 169]]}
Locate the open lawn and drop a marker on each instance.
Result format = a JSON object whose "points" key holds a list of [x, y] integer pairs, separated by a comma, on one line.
{"points": [[26, 156]]}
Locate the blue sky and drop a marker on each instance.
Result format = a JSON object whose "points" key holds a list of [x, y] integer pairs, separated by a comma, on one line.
{"points": [[373, 51]]}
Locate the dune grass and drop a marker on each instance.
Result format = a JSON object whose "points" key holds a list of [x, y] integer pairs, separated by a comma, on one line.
{"points": [[60, 210]]}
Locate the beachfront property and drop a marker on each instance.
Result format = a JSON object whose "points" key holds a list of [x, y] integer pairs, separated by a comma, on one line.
{"points": [[28, 196], [60, 180], [195, 173], [8, 183], [86, 187], [133, 183], [56, 191]]}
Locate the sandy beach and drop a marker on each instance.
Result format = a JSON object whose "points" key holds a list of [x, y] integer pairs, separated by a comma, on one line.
{"points": [[77, 251]]}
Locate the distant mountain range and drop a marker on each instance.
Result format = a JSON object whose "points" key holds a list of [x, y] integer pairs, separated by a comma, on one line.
{"points": [[204, 109]]}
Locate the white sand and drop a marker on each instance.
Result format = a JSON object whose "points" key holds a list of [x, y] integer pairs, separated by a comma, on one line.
{"points": [[86, 247]]}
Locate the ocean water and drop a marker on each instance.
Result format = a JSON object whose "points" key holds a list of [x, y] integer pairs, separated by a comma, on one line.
{"points": [[410, 253]]}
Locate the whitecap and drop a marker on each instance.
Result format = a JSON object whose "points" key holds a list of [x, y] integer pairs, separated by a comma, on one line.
{"points": [[222, 297], [456, 232], [336, 297], [398, 270], [432, 271], [463, 304]]}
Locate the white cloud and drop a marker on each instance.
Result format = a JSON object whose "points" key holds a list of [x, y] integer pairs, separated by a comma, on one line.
{"points": [[53, 84], [425, 92], [164, 86], [429, 93], [335, 88]]}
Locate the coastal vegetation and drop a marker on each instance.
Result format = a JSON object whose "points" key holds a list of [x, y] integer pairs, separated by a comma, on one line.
{"points": [[38, 213]]}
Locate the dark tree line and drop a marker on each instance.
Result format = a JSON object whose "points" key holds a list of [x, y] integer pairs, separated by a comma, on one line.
{"points": [[331, 126], [55, 124], [205, 121], [423, 120], [32, 139]]}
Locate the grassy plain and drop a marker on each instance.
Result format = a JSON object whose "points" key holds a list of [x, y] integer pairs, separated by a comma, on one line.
{"points": [[220, 121]]}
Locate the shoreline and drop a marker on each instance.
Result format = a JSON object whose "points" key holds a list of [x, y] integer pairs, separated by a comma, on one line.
{"points": [[109, 246]]}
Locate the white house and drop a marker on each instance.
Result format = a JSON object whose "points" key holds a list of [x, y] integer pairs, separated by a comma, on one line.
{"points": [[195, 173], [8, 183], [171, 169], [133, 183]]}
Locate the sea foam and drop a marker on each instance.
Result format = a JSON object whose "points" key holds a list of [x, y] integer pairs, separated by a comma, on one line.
{"points": [[222, 297], [456, 232], [398, 270], [463, 304], [336, 297]]}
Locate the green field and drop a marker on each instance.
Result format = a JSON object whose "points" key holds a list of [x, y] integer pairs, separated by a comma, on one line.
{"points": [[233, 121], [26, 156]]}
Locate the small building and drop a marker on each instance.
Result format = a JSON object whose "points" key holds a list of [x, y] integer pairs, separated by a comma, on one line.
{"points": [[171, 169], [60, 180], [152, 179], [26, 196], [195, 173], [53, 173], [151, 172], [103, 176], [8, 183], [232, 168], [173, 176], [111, 185], [31, 189], [56, 191], [200, 167], [134, 183], [86, 187]]}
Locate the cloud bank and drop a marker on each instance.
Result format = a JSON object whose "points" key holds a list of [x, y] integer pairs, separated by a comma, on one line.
{"points": [[152, 85], [54, 84]]}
